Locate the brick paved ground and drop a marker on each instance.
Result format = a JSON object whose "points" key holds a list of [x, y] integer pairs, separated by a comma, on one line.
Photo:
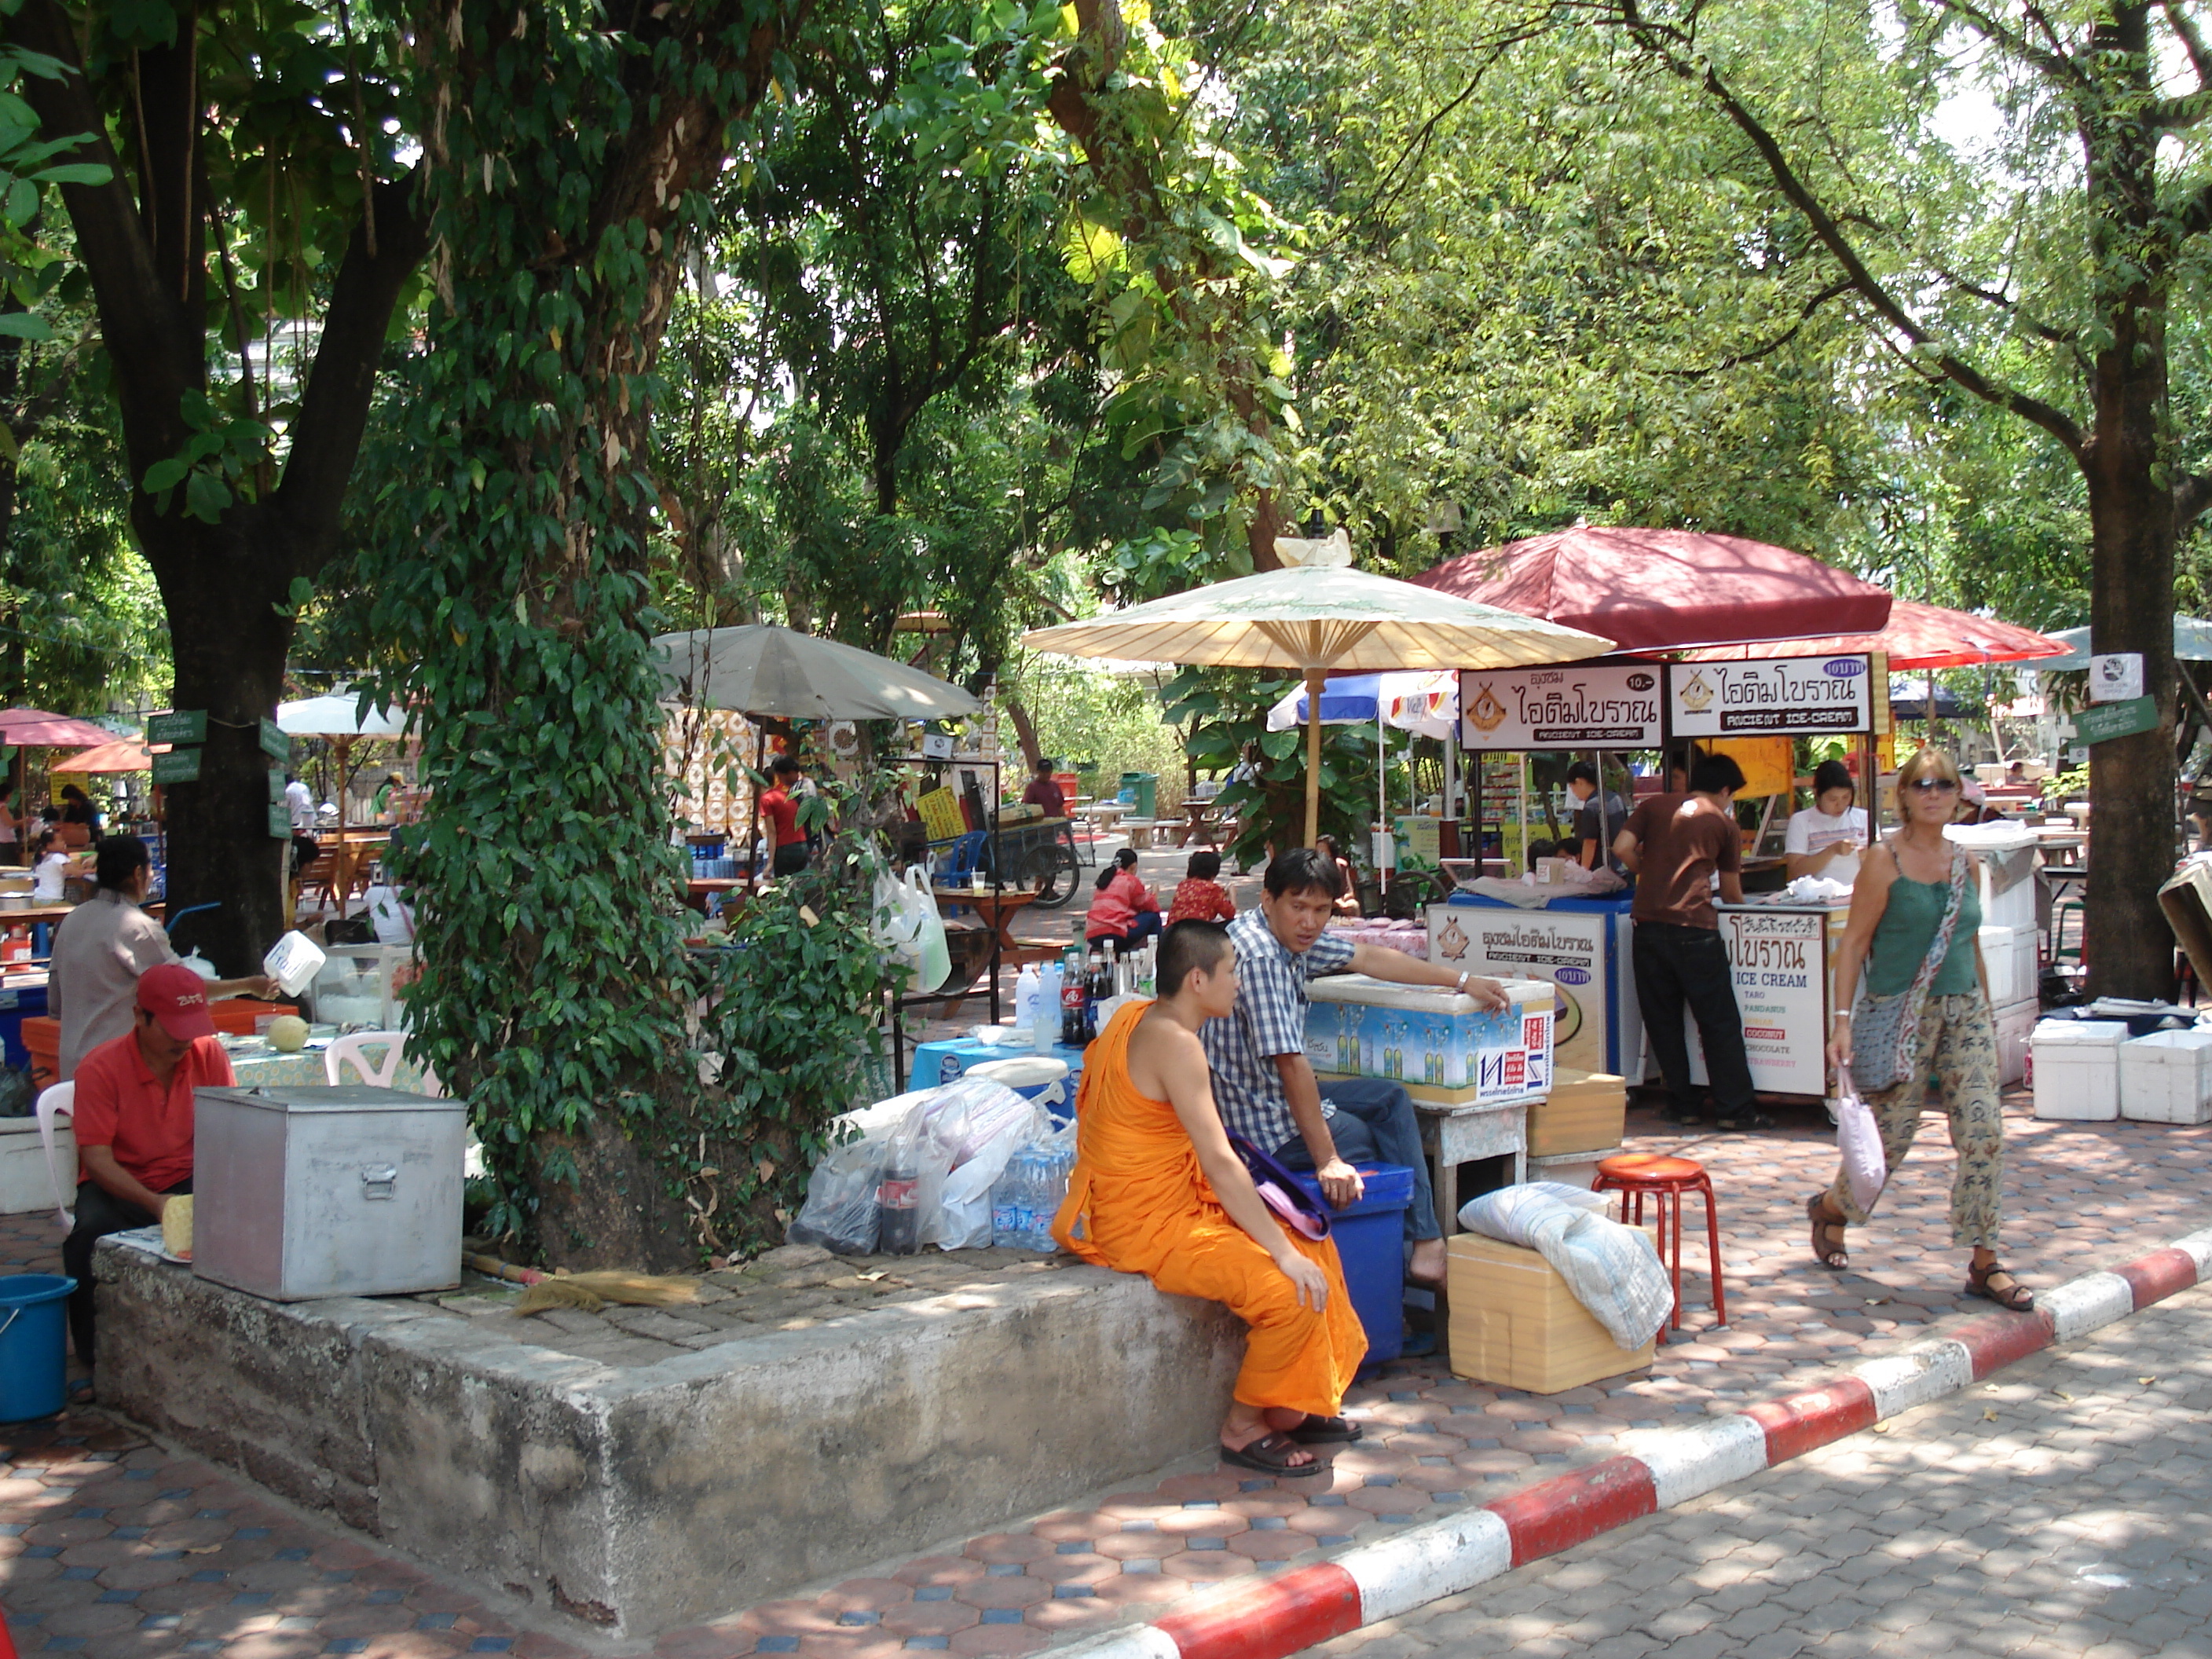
{"points": [[113, 1546], [2058, 1511]]}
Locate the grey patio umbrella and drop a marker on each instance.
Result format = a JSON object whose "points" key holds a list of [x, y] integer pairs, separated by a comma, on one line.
{"points": [[760, 669]]}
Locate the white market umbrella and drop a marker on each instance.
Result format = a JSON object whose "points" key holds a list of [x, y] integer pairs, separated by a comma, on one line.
{"points": [[760, 669], [339, 717], [1318, 618]]}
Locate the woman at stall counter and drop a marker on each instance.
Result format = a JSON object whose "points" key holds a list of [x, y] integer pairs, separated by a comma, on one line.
{"points": [[1828, 837], [1896, 910]]}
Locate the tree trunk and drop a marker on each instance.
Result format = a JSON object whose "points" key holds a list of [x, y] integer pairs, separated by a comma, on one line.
{"points": [[229, 644]]}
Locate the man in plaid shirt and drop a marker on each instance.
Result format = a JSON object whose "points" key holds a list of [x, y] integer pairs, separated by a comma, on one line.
{"points": [[1262, 1081]]}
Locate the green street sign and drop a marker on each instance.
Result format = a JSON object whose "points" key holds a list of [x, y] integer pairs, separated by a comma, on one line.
{"points": [[277, 791], [279, 823], [178, 726], [178, 766], [275, 744], [2125, 719]]}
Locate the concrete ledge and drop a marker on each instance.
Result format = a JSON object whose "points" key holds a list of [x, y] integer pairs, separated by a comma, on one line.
{"points": [[637, 1497]]}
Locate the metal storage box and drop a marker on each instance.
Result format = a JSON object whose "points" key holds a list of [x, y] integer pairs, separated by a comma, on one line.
{"points": [[304, 1192]]}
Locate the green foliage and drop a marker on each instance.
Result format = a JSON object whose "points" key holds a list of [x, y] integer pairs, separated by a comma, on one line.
{"points": [[1113, 721], [1227, 710]]}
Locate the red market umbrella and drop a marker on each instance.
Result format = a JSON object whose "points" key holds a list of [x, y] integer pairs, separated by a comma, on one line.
{"points": [[1664, 590], [1917, 636], [34, 728], [121, 754]]}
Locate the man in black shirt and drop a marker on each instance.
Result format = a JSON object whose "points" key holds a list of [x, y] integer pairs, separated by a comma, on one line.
{"points": [[1598, 818]]}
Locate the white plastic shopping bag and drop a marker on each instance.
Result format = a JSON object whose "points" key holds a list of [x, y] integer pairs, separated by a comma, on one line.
{"points": [[1858, 1139]]}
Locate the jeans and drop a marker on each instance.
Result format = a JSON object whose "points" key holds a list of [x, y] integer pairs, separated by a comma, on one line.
{"points": [[1676, 966], [99, 1212], [1375, 1123]]}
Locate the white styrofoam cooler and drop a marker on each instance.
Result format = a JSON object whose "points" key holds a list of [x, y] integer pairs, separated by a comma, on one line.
{"points": [[312, 1192], [26, 1184], [2016, 1026], [2008, 955], [2166, 1076], [2007, 854], [2077, 1068]]}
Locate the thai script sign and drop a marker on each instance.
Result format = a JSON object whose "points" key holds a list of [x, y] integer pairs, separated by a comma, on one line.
{"points": [[1783, 696], [1569, 706]]}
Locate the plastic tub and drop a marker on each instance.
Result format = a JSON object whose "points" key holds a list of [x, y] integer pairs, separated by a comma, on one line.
{"points": [[1033, 1077], [1370, 1242], [33, 1379]]}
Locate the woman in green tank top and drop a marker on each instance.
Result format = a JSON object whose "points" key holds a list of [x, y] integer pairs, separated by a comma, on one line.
{"points": [[1896, 910]]}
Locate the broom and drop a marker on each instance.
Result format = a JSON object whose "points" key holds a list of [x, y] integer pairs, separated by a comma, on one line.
{"points": [[588, 1291]]}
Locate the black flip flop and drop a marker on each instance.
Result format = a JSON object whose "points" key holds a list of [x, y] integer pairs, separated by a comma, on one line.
{"points": [[1270, 1455], [1327, 1431]]}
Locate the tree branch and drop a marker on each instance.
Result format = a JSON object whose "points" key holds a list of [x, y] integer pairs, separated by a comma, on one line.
{"points": [[2044, 331], [2193, 42], [1738, 359], [1662, 41], [2052, 61], [334, 409], [2191, 498]]}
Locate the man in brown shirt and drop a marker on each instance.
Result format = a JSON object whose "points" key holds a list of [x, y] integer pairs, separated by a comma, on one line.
{"points": [[1675, 846]]}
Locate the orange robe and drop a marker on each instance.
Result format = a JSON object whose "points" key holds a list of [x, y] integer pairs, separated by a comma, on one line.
{"points": [[1137, 1203]]}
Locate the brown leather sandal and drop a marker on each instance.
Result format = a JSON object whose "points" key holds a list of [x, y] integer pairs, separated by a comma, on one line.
{"points": [[2013, 1296], [1828, 1236]]}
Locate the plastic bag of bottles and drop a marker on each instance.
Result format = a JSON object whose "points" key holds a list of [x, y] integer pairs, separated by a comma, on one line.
{"points": [[1029, 1193], [840, 1212]]}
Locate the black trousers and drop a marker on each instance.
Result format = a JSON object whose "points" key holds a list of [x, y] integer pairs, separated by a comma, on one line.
{"points": [[99, 1212], [1678, 967], [790, 859]]}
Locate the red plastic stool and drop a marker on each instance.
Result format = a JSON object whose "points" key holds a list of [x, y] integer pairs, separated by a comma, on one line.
{"points": [[1666, 1179]]}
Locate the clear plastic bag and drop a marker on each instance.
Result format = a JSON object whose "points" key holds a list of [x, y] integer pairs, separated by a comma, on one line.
{"points": [[840, 1212]]}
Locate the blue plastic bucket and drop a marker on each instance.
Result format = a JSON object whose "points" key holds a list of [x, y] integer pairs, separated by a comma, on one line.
{"points": [[1370, 1242], [33, 1382]]}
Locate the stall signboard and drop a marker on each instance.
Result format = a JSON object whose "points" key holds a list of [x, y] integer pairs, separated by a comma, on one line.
{"points": [[1783, 696], [1780, 961], [2102, 720], [1567, 948], [1569, 706]]}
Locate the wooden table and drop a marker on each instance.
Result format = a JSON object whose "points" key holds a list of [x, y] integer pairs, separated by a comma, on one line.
{"points": [[1201, 822], [696, 887], [997, 909], [1104, 816]]}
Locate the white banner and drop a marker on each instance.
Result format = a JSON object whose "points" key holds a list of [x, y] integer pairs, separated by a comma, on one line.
{"points": [[1574, 706], [1783, 696]]}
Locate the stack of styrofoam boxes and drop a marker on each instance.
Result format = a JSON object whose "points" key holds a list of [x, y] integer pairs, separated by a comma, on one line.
{"points": [[2077, 1068], [2008, 954], [2007, 854], [2166, 1076]]}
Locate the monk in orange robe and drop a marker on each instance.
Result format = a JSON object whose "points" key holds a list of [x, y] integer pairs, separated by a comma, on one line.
{"points": [[1157, 1189]]}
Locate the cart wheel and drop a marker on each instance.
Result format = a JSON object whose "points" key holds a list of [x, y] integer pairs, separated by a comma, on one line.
{"points": [[1053, 874]]}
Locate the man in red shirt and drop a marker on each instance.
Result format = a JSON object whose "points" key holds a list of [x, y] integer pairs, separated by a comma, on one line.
{"points": [[1044, 791], [786, 840], [133, 1118]]}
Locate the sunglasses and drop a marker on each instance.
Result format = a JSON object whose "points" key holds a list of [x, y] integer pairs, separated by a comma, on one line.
{"points": [[1935, 785]]}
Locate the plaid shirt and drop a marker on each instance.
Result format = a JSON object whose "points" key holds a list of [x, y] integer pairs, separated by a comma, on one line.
{"points": [[1270, 1020]]}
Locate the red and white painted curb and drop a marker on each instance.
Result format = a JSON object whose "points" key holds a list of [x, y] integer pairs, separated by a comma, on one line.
{"points": [[1368, 1582]]}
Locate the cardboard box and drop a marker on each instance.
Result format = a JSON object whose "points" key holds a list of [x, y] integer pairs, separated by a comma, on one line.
{"points": [[1515, 1324], [1433, 1039], [1584, 1113]]}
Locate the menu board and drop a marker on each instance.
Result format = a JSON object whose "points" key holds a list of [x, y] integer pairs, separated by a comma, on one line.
{"points": [[1779, 962], [1568, 948], [1782, 696], [1569, 706]]}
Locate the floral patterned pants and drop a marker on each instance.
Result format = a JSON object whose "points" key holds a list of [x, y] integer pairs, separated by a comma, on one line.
{"points": [[1958, 1045]]}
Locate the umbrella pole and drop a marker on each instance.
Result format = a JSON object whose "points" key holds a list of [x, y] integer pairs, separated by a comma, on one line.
{"points": [[1315, 678], [1382, 793], [339, 869]]}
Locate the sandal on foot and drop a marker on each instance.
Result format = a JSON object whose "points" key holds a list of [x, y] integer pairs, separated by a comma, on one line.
{"points": [[1828, 1236], [1270, 1454], [2014, 1297], [1327, 1431]]}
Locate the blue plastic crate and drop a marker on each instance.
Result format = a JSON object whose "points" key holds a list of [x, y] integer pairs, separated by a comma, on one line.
{"points": [[1370, 1243]]}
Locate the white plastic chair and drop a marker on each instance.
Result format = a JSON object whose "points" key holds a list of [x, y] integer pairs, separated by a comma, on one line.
{"points": [[351, 1051], [59, 1101]]}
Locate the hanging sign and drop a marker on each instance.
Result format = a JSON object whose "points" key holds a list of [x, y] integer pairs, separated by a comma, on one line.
{"points": [[1783, 696], [178, 766], [177, 725], [279, 823], [2116, 719], [1572, 706], [273, 742], [2116, 676]]}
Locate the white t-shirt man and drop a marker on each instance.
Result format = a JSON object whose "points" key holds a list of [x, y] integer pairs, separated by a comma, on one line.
{"points": [[1812, 829], [302, 804]]}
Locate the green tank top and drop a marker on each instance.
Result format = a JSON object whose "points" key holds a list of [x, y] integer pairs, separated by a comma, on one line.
{"points": [[1907, 929]]}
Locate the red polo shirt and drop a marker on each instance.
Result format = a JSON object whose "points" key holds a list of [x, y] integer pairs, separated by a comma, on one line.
{"points": [[120, 1106]]}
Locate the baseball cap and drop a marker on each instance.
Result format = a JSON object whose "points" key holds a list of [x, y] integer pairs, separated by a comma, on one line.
{"points": [[177, 997]]}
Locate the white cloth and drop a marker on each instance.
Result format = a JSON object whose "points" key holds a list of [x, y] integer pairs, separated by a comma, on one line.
{"points": [[1810, 830], [301, 803], [393, 916]]}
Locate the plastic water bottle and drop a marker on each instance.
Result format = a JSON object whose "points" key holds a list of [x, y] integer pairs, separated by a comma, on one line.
{"points": [[1009, 1222], [1028, 989], [1051, 1192]]}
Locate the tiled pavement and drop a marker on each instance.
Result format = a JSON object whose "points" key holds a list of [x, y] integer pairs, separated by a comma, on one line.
{"points": [[111, 1546]]}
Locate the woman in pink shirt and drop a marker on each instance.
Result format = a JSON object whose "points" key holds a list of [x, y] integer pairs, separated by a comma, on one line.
{"points": [[1124, 909]]}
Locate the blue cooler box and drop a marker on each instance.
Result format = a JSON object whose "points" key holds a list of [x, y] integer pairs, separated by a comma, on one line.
{"points": [[1370, 1242], [936, 1063], [18, 1003]]}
